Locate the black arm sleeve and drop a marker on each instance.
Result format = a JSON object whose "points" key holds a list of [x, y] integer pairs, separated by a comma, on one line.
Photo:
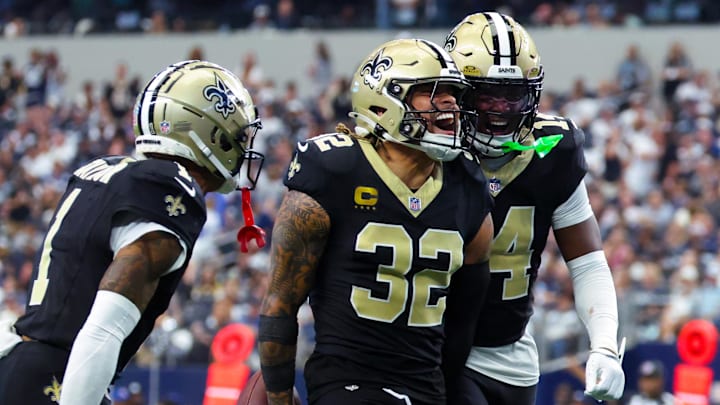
{"points": [[464, 302]]}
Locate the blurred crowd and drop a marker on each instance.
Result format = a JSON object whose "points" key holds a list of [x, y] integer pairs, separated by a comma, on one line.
{"points": [[652, 146], [80, 17]]}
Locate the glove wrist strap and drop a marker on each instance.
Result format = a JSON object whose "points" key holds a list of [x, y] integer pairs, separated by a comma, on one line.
{"points": [[606, 351]]}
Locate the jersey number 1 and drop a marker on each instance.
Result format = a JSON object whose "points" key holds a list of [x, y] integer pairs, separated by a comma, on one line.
{"points": [[40, 284]]}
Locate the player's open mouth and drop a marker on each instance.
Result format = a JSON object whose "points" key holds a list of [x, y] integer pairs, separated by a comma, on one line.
{"points": [[498, 126], [446, 122]]}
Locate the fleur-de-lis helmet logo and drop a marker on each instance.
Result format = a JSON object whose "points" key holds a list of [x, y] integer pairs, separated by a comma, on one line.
{"points": [[225, 98], [451, 41], [372, 70]]}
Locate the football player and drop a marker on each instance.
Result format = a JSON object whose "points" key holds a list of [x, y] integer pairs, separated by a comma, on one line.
{"points": [[534, 166], [122, 236], [380, 229]]}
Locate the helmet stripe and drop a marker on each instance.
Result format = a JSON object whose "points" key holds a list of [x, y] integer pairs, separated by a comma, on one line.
{"points": [[511, 37], [502, 39], [149, 95], [146, 105], [446, 60], [439, 51]]}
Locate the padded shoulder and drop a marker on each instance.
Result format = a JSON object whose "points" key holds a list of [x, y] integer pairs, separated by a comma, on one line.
{"points": [[546, 125], [162, 191], [472, 167], [320, 160]]}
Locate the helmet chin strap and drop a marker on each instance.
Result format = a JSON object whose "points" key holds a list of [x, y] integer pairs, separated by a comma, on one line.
{"points": [[440, 146]]}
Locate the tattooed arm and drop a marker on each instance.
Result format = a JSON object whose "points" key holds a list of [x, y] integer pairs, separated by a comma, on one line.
{"points": [[124, 292], [298, 241]]}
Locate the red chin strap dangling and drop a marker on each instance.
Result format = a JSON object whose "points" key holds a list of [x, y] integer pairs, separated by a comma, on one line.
{"points": [[250, 230]]}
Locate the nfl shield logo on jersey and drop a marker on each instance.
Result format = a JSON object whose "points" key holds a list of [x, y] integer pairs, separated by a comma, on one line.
{"points": [[494, 185], [414, 203]]}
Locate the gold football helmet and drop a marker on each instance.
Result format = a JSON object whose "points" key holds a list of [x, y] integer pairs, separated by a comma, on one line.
{"points": [[381, 88], [199, 111], [500, 59]]}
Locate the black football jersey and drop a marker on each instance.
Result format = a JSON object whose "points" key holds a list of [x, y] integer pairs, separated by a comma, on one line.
{"points": [[76, 251], [379, 297], [527, 191]]}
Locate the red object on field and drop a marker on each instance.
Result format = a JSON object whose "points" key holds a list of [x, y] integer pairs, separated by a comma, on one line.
{"points": [[255, 394], [250, 230], [697, 342], [697, 346], [228, 373]]}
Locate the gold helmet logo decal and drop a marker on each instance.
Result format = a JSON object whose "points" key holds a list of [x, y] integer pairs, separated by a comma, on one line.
{"points": [[372, 70], [226, 100]]}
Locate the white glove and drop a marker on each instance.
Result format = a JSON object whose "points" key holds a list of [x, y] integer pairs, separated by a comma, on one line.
{"points": [[8, 338], [604, 376]]}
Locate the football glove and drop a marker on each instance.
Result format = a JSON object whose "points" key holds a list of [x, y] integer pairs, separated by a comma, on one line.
{"points": [[604, 376]]}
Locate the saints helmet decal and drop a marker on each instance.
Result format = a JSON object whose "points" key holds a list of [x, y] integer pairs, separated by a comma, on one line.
{"points": [[199, 111]]}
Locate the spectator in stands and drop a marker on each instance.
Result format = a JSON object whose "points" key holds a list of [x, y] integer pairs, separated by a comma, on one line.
{"points": [[676, 69], [10, 82], [320, 70], [119, 94], [633, 74], [262, 20], [651, 385], [35, 79], [250, 72], [683, 294], [286, 15]]}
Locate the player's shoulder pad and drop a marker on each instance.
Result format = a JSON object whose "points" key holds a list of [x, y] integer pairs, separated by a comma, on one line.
{"points": [[471, 166], [165, 176], [546, 125], [333, 152]]}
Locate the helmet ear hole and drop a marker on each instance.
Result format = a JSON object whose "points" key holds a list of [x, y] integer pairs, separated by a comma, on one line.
{"points": [[225, 144], [377, 110]]}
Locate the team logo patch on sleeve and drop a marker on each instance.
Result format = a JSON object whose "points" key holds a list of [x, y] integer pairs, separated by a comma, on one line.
{"points": [[174, 206], [294, 168], [53, 390]]}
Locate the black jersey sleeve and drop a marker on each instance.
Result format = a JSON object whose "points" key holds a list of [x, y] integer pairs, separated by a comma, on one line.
{"points": [[161, 191], [568, 157], [318, 163]]}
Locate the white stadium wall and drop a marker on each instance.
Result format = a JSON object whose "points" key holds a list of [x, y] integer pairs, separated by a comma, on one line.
{"points": [[567, 53]]}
